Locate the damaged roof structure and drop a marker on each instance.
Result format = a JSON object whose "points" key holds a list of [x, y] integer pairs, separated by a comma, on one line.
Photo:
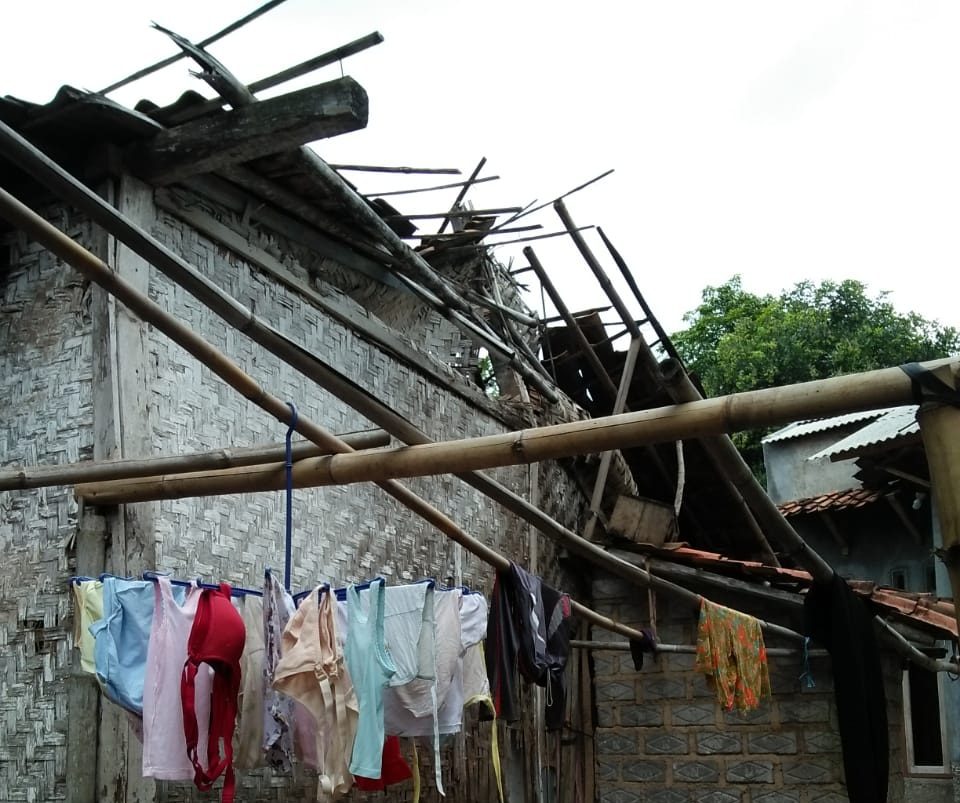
{"points": [[203, 184]]}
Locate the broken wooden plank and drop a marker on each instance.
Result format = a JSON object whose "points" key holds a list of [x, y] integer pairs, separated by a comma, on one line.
{"points": [[239, 135], [462, 194]]}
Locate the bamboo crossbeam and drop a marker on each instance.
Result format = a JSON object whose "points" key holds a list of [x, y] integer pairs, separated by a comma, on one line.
{"points": [[886, 387], [685, 649], [233, 26], [434, 188], [153, 467], [99, 272]]}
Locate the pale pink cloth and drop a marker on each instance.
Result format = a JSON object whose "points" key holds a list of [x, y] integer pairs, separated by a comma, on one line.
{"points": [[164, 744]]}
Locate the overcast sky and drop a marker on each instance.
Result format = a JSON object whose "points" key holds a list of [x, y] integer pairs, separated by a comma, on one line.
{"points": [[814, 140]]}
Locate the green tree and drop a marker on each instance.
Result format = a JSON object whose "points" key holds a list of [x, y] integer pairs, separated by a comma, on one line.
{"points": [[738, 341]]}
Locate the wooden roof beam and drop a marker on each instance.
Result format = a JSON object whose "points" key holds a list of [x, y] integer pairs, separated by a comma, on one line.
{"points": [[260, 129]]}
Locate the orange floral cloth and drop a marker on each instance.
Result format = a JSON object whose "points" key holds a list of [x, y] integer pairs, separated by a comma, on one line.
{"points": [[730, 651]]}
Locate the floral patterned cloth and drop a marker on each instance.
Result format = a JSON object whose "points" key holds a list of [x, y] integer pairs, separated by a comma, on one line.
{"points": [[730, 651]]}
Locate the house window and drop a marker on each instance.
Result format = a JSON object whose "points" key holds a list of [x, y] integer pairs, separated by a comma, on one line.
{"points": [[898, 578], [924, 721]]}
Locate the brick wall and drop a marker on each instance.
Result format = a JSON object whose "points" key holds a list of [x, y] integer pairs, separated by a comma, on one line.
{"points": [[662, 737]]}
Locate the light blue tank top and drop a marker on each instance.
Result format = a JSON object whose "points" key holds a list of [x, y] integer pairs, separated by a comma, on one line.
{"points": [[370, 668], [121, 638]]}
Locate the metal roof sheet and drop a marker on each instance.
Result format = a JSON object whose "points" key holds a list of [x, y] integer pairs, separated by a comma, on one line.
{"points": [[897, 423], [810, 426]]}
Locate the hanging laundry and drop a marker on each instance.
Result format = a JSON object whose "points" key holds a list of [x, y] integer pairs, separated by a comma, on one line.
{"points": [[164, 742], [394, 769], [216, 641], [278, 711], [249, 752], [370, 668], [730, 651], [647, 643], [312, 671], [87, 609], [842, 622], [122, 636], [529, 631]]}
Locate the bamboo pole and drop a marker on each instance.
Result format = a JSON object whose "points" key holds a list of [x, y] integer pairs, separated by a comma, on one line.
{"points": [[99, 272], [688, 649], [869, 390], [940, 430], [448, 171], [154, 467]]}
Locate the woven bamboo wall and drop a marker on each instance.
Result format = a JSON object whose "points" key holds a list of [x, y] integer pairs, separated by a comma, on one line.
{"points": [[45, 417]]}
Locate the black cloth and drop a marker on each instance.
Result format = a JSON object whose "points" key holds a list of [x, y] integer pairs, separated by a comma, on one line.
{"points": [[842, 622], [638, 646], [529, 632]]}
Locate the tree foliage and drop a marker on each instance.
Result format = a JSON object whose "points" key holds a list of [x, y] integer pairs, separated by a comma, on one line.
{"points": [[738, 341]]}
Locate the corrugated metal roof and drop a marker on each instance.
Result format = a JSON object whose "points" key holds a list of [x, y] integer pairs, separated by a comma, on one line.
{"points": [[813, 425], [895, 424], [834, 500]]}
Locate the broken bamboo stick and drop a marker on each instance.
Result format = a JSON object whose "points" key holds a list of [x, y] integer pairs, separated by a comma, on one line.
{"points": [[462, 194], [216, 459], [233, 26], [451, 171]]}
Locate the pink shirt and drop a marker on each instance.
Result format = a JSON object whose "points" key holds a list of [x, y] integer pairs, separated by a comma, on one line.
{"points": [[164, 744]]}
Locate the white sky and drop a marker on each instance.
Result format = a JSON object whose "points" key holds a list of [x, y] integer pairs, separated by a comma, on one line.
{"points": [[781, 141]]}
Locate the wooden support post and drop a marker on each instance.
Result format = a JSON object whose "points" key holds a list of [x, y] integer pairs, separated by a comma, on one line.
{"points": [[626, 377], [940, 429]]}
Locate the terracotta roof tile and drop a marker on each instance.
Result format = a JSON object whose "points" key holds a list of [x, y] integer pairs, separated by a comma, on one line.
{"points": [[833, 500]]}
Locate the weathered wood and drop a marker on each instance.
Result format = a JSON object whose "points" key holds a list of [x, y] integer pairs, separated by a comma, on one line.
{"points": [[869, 390], [116, 470], [242, 134]]}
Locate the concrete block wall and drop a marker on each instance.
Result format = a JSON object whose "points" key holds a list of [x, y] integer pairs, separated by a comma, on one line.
{"points": [[662, 736]]}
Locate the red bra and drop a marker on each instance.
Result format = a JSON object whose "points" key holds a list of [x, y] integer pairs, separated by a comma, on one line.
{"points": [[216, 639]]}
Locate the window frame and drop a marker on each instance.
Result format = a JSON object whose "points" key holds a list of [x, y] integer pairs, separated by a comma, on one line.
{"points": [[913, 768]]}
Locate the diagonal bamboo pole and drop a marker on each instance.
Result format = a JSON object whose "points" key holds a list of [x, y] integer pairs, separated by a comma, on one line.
{"points": [[230, 372]]}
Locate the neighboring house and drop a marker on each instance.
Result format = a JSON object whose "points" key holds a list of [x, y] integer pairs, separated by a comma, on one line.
{"points": [[857, 489]]}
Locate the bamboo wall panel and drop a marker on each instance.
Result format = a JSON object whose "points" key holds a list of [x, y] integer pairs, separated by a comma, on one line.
{"points": [[47, 417]]}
